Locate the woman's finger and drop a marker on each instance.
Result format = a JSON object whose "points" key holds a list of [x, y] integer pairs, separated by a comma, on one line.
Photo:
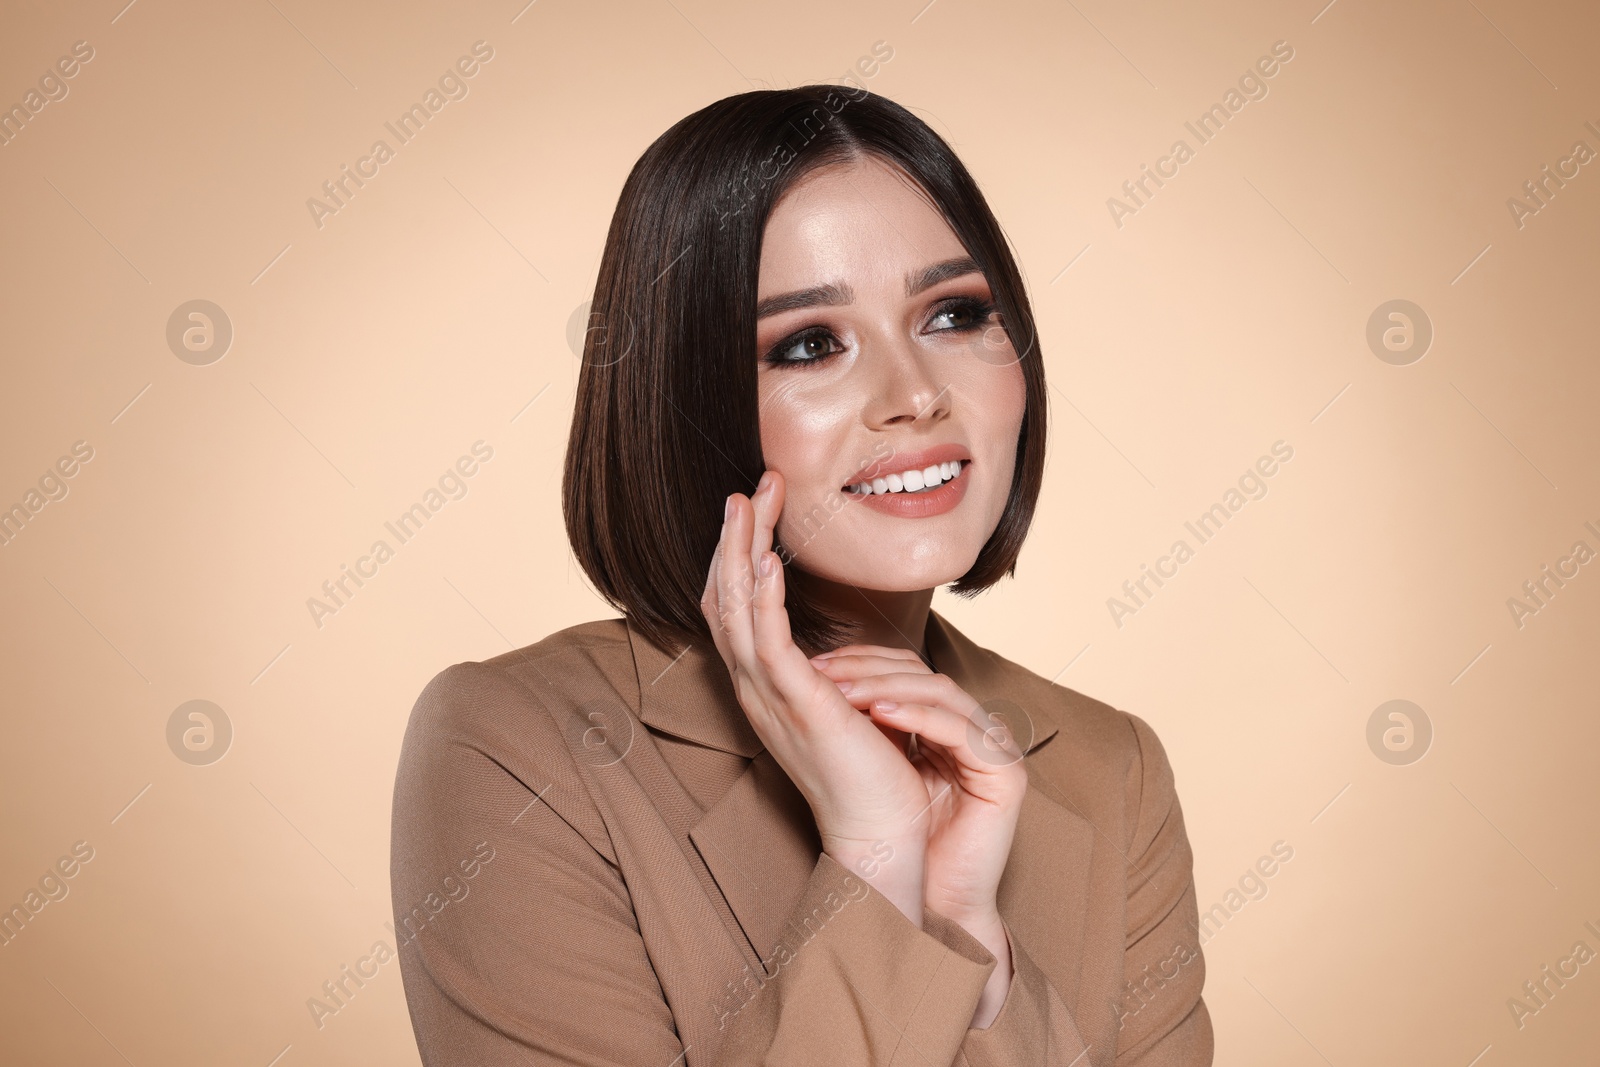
{"points": [[771, 635], [785, 667], [768, 501], [781, 660], [939, 725], [982, 758], [870, 650], [912, 687], [900, 738], [851, 668], [762, 641], [979, 740], [736, 582], [710, 600]]}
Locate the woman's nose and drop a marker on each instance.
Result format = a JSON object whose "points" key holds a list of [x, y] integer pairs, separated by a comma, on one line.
{"points": [[902, 384]]}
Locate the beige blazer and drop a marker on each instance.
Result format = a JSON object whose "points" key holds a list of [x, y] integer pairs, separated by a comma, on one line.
{"points": [[596, 862]]}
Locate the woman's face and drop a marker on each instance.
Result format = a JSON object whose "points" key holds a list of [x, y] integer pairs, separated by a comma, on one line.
{"points": [[882, 361]]}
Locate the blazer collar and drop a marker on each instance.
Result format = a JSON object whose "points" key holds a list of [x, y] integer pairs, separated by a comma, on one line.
{"points": [[672, 695], [673, 687]]}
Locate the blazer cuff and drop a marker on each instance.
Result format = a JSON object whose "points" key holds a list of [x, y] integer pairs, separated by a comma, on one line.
{"points": [[855, 976], [1034, 1024]]}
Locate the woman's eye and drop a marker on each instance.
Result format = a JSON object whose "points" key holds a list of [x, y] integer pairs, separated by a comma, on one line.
{"points": [[965, 314], [803, 348]]}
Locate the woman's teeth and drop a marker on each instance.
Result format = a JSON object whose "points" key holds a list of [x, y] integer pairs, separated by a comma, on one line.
{"points": [[912, 481]]}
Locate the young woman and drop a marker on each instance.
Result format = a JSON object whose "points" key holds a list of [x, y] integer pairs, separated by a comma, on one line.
{"points": [[781, 812]]}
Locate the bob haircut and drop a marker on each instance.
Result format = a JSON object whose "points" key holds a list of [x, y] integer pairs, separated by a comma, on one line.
{"points": [[665, 425]]}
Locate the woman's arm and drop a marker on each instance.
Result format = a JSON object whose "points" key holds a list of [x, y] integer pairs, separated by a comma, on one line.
{"points": [[537, 959], [1163, 1020]]}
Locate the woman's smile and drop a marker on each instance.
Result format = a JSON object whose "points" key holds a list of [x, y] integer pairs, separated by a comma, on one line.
{"points": [[915, 485]]}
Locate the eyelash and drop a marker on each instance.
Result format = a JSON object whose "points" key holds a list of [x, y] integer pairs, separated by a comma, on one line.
{"points": [[979, 309]]}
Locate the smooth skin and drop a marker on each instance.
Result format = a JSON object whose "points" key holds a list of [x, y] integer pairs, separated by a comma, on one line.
{"points": [[892, 758]]}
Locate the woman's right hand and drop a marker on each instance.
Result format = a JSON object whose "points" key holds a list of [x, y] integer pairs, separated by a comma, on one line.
{"points": [[869, 801]]}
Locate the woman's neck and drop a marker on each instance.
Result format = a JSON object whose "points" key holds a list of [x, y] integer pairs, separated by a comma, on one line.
{"points": [[891, 619]]}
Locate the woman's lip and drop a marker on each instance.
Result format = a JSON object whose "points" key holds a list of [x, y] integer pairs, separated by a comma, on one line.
{"points": [[920, 505], [898, 462]]}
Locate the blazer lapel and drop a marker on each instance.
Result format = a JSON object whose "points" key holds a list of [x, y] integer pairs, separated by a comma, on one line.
{"points": [[999, 686], [1045, 889], [760, 841]]}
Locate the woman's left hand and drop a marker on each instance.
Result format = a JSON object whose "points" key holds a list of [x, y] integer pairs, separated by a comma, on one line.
{"points": [[972, 768], [969, 761]]}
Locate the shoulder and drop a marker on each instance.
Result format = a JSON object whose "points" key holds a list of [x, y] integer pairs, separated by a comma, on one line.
{"points": [[481, 696], [521, 715]]}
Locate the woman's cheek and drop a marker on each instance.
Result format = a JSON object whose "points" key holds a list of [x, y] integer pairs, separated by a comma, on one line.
{"points": [[1001, 395], [781, 419], [801, 433]]}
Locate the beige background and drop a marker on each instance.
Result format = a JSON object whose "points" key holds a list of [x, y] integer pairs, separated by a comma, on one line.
{"points": [[435, 307]]}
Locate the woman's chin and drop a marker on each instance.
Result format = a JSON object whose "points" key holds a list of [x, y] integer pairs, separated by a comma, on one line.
{"points": [[883, 573]]}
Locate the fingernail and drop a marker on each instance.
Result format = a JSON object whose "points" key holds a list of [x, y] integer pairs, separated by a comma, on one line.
{"points": [[845, 687], [886, 705], [765, 565], [727, 509]]}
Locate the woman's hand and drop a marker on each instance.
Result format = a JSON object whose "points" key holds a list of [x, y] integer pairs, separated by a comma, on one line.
{"points": [[972, 769], [868, 799]]}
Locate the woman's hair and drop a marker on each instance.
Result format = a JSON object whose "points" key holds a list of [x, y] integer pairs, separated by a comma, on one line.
{"points": [[666, 421]]}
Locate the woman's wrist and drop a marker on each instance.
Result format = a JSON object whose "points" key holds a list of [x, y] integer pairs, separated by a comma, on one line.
{"points": [[992, 935], [894, 869], [987, 928]]}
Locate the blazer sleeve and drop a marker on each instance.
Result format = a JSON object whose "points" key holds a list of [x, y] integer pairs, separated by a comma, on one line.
{"points": [[869, 987], [537, 957], [1162, 1020], [886, 992]]}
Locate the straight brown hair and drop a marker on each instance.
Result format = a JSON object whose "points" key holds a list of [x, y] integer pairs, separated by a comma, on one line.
{"points": [[666, 421]]}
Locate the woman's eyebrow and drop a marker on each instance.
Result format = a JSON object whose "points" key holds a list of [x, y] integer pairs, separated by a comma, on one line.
{"points": [[818, 295], [832, 294], [928, 277]]}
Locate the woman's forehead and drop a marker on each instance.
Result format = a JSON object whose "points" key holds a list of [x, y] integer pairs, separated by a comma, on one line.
{"points": [[862, 223]]}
